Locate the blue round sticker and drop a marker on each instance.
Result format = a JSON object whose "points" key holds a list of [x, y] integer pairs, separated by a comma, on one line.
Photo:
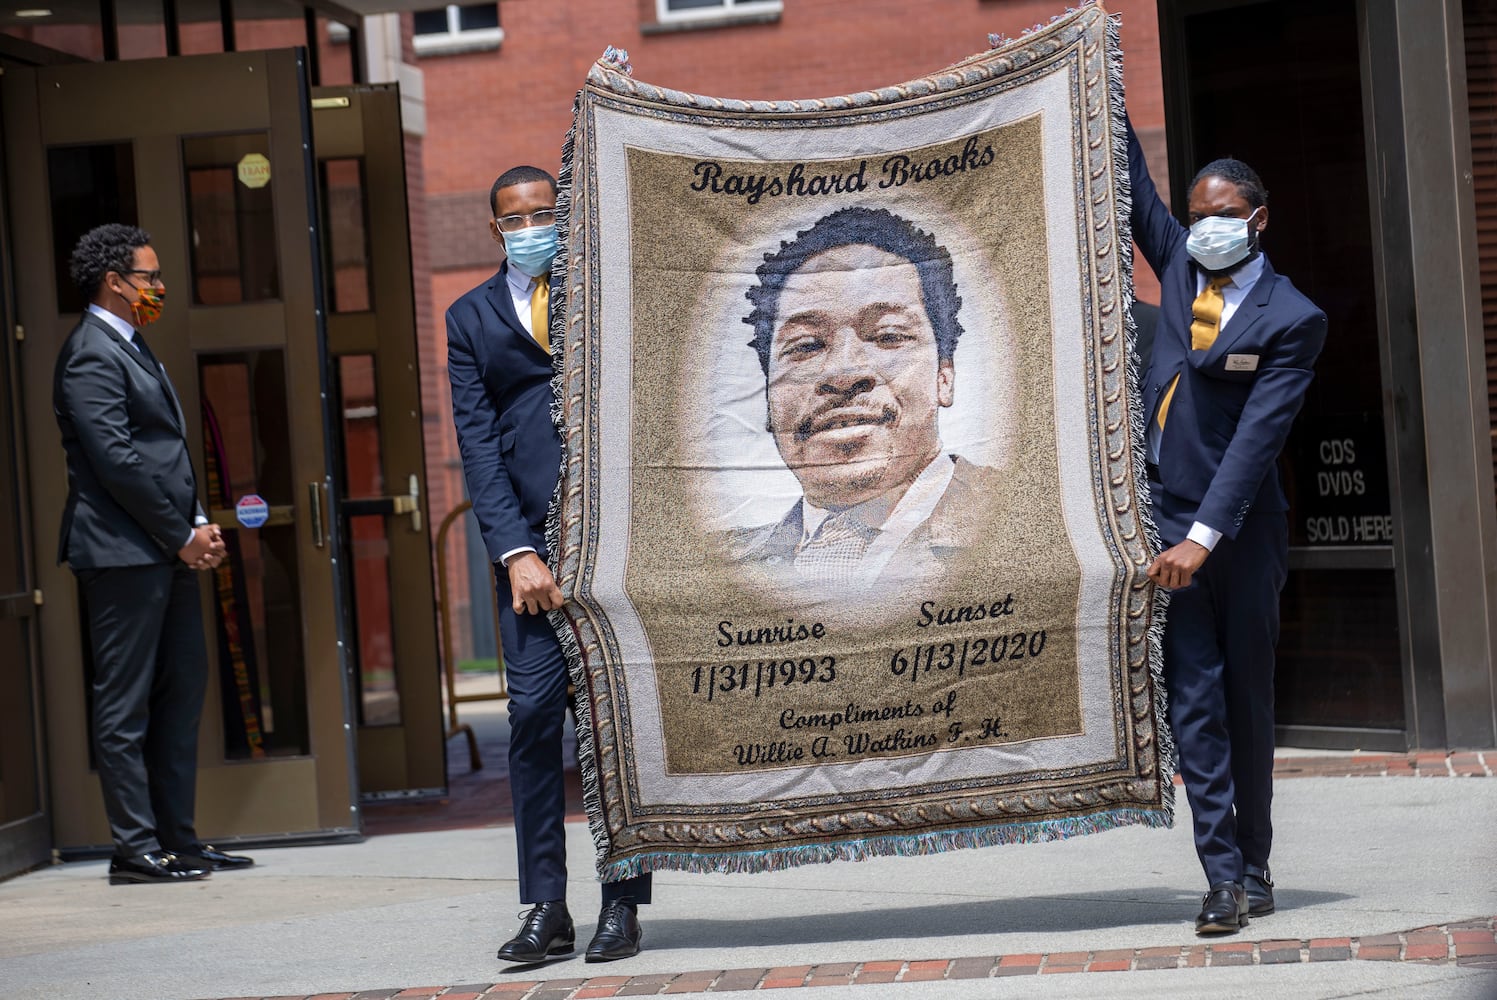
{"points": [[252, 510]]}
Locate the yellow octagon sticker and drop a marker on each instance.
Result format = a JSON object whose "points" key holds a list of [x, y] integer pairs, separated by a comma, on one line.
{"points": [[254, 170]]}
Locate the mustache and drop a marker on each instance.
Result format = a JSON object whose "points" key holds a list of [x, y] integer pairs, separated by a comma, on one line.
{"points": [[838, 416]]}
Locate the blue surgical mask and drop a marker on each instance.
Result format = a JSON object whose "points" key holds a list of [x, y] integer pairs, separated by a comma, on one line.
{"points": [[532, 249], [1218, 242]]}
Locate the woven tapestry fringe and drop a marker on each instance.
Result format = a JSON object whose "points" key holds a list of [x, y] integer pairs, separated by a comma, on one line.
{"points": [[1144, 506], [559, 313], [903, 846]]}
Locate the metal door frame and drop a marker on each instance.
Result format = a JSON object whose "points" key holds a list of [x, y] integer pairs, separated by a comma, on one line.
{"points": [[363, 122], [303, 797], [25, 842]]}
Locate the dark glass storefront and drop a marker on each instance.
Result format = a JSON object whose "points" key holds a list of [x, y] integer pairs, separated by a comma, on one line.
{"points": [[1282, 90]]}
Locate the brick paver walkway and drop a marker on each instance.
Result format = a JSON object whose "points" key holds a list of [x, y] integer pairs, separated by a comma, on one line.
{"points": [[481, 798], [1472, 943]]}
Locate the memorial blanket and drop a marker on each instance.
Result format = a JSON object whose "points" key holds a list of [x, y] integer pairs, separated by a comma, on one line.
{"points": [[851, 526]]}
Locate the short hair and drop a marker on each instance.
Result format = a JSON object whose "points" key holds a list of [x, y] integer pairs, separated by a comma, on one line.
{"points": [[110, 247], [517, 175], [875, 227], [1235, 172]]}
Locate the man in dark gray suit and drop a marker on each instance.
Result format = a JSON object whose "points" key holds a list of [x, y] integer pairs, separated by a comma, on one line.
{"points": [[133, 532]]}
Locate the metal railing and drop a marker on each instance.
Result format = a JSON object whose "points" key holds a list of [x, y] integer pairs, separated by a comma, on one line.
{"points": [[449, 659]]}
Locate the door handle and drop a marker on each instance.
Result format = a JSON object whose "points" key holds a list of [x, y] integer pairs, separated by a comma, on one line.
{"points": [[316, 494], [414, 496], [407, 505], [225, 517], [20, 605]]}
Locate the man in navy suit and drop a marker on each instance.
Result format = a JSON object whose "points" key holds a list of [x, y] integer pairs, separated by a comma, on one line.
{"points": [[499, 364], [1232, 357]]}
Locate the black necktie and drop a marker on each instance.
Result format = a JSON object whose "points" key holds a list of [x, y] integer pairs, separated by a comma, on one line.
{"points": [[160, 373], [145, 351]]}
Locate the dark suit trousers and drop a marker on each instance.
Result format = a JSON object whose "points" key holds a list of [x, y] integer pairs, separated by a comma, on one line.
{"points": [[1218, 669], [150, 671], [536, 672]]}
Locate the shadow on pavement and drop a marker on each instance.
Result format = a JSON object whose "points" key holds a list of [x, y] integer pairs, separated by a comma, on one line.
{"points": [[1118, 908]]}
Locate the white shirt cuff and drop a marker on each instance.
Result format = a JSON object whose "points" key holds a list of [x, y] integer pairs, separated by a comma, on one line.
{"points": [[190, 536], [1204, 536], [504, 559]]}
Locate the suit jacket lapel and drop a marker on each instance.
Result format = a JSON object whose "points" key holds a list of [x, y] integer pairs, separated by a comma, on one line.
{"points": [[499, 298], [1246, 316], [125, 345], [779, 539], [155, 370], [171, 394], [1184, 290]]}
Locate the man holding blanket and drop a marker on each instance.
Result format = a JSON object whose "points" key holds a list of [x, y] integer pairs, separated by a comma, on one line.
{"points": [[499, 364]]}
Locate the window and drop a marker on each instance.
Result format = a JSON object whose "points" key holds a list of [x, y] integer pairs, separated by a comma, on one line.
{"points": [[719, 10], [458, 28]]}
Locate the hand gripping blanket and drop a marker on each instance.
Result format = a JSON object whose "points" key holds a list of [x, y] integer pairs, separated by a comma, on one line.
{"points": [[851, 527]]}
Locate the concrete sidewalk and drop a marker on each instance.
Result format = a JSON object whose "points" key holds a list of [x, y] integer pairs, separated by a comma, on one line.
{"points": [[1356, 858]]}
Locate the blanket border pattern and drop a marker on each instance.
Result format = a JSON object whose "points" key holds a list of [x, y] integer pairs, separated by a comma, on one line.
{"points": [[1140, 787]]}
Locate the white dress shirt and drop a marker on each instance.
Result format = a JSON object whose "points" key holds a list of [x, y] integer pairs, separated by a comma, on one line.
{"points": [[520, 286]]}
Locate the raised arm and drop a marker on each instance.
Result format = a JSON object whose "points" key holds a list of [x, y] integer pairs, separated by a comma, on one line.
{"points": [[1158, 233]]}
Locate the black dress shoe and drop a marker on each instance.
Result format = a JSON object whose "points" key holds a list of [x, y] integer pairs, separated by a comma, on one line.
{"points": [[1259, 885], [156, 866], [208, 856], [547, 930], [618, 933], [1224, 909]]}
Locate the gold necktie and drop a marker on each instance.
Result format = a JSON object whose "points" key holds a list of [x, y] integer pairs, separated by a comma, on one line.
{"points": [[1206, 318], [540, 310]]}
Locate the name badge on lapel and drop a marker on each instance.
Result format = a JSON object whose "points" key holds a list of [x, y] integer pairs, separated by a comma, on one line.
{"points": [[1242, 362]]}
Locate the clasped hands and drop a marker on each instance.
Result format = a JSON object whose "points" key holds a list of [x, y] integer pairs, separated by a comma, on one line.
{"points": [[206, 550]]}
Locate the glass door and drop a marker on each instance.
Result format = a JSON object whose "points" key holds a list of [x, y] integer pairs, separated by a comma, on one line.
{"points": [[1340, 677], [215, 163], [381, 469]]}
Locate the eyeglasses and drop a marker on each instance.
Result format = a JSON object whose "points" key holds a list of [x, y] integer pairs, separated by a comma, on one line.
{"points": [[515, 223], [152, 277]]}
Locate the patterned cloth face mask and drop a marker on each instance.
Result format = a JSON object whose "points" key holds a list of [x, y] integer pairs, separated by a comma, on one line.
{"points": [[147, 305]]}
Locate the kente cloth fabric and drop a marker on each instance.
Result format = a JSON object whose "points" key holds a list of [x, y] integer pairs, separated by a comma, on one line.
{"points": [[851, 526]]}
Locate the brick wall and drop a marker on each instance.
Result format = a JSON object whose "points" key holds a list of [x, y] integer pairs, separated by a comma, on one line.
{"points": [[487, 111], [490, 110]]}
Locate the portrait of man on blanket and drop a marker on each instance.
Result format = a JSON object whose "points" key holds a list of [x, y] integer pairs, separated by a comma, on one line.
{"points": [[855, 323]]}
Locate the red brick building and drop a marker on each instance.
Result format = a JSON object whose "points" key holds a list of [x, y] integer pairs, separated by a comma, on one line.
{"points": [[499, 88]]}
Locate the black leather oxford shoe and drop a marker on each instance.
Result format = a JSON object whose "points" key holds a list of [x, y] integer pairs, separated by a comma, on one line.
{"points": [[1224, 909], [547, 930], [157, 866], [1259, 885], [208, 856], [618, 933]]}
